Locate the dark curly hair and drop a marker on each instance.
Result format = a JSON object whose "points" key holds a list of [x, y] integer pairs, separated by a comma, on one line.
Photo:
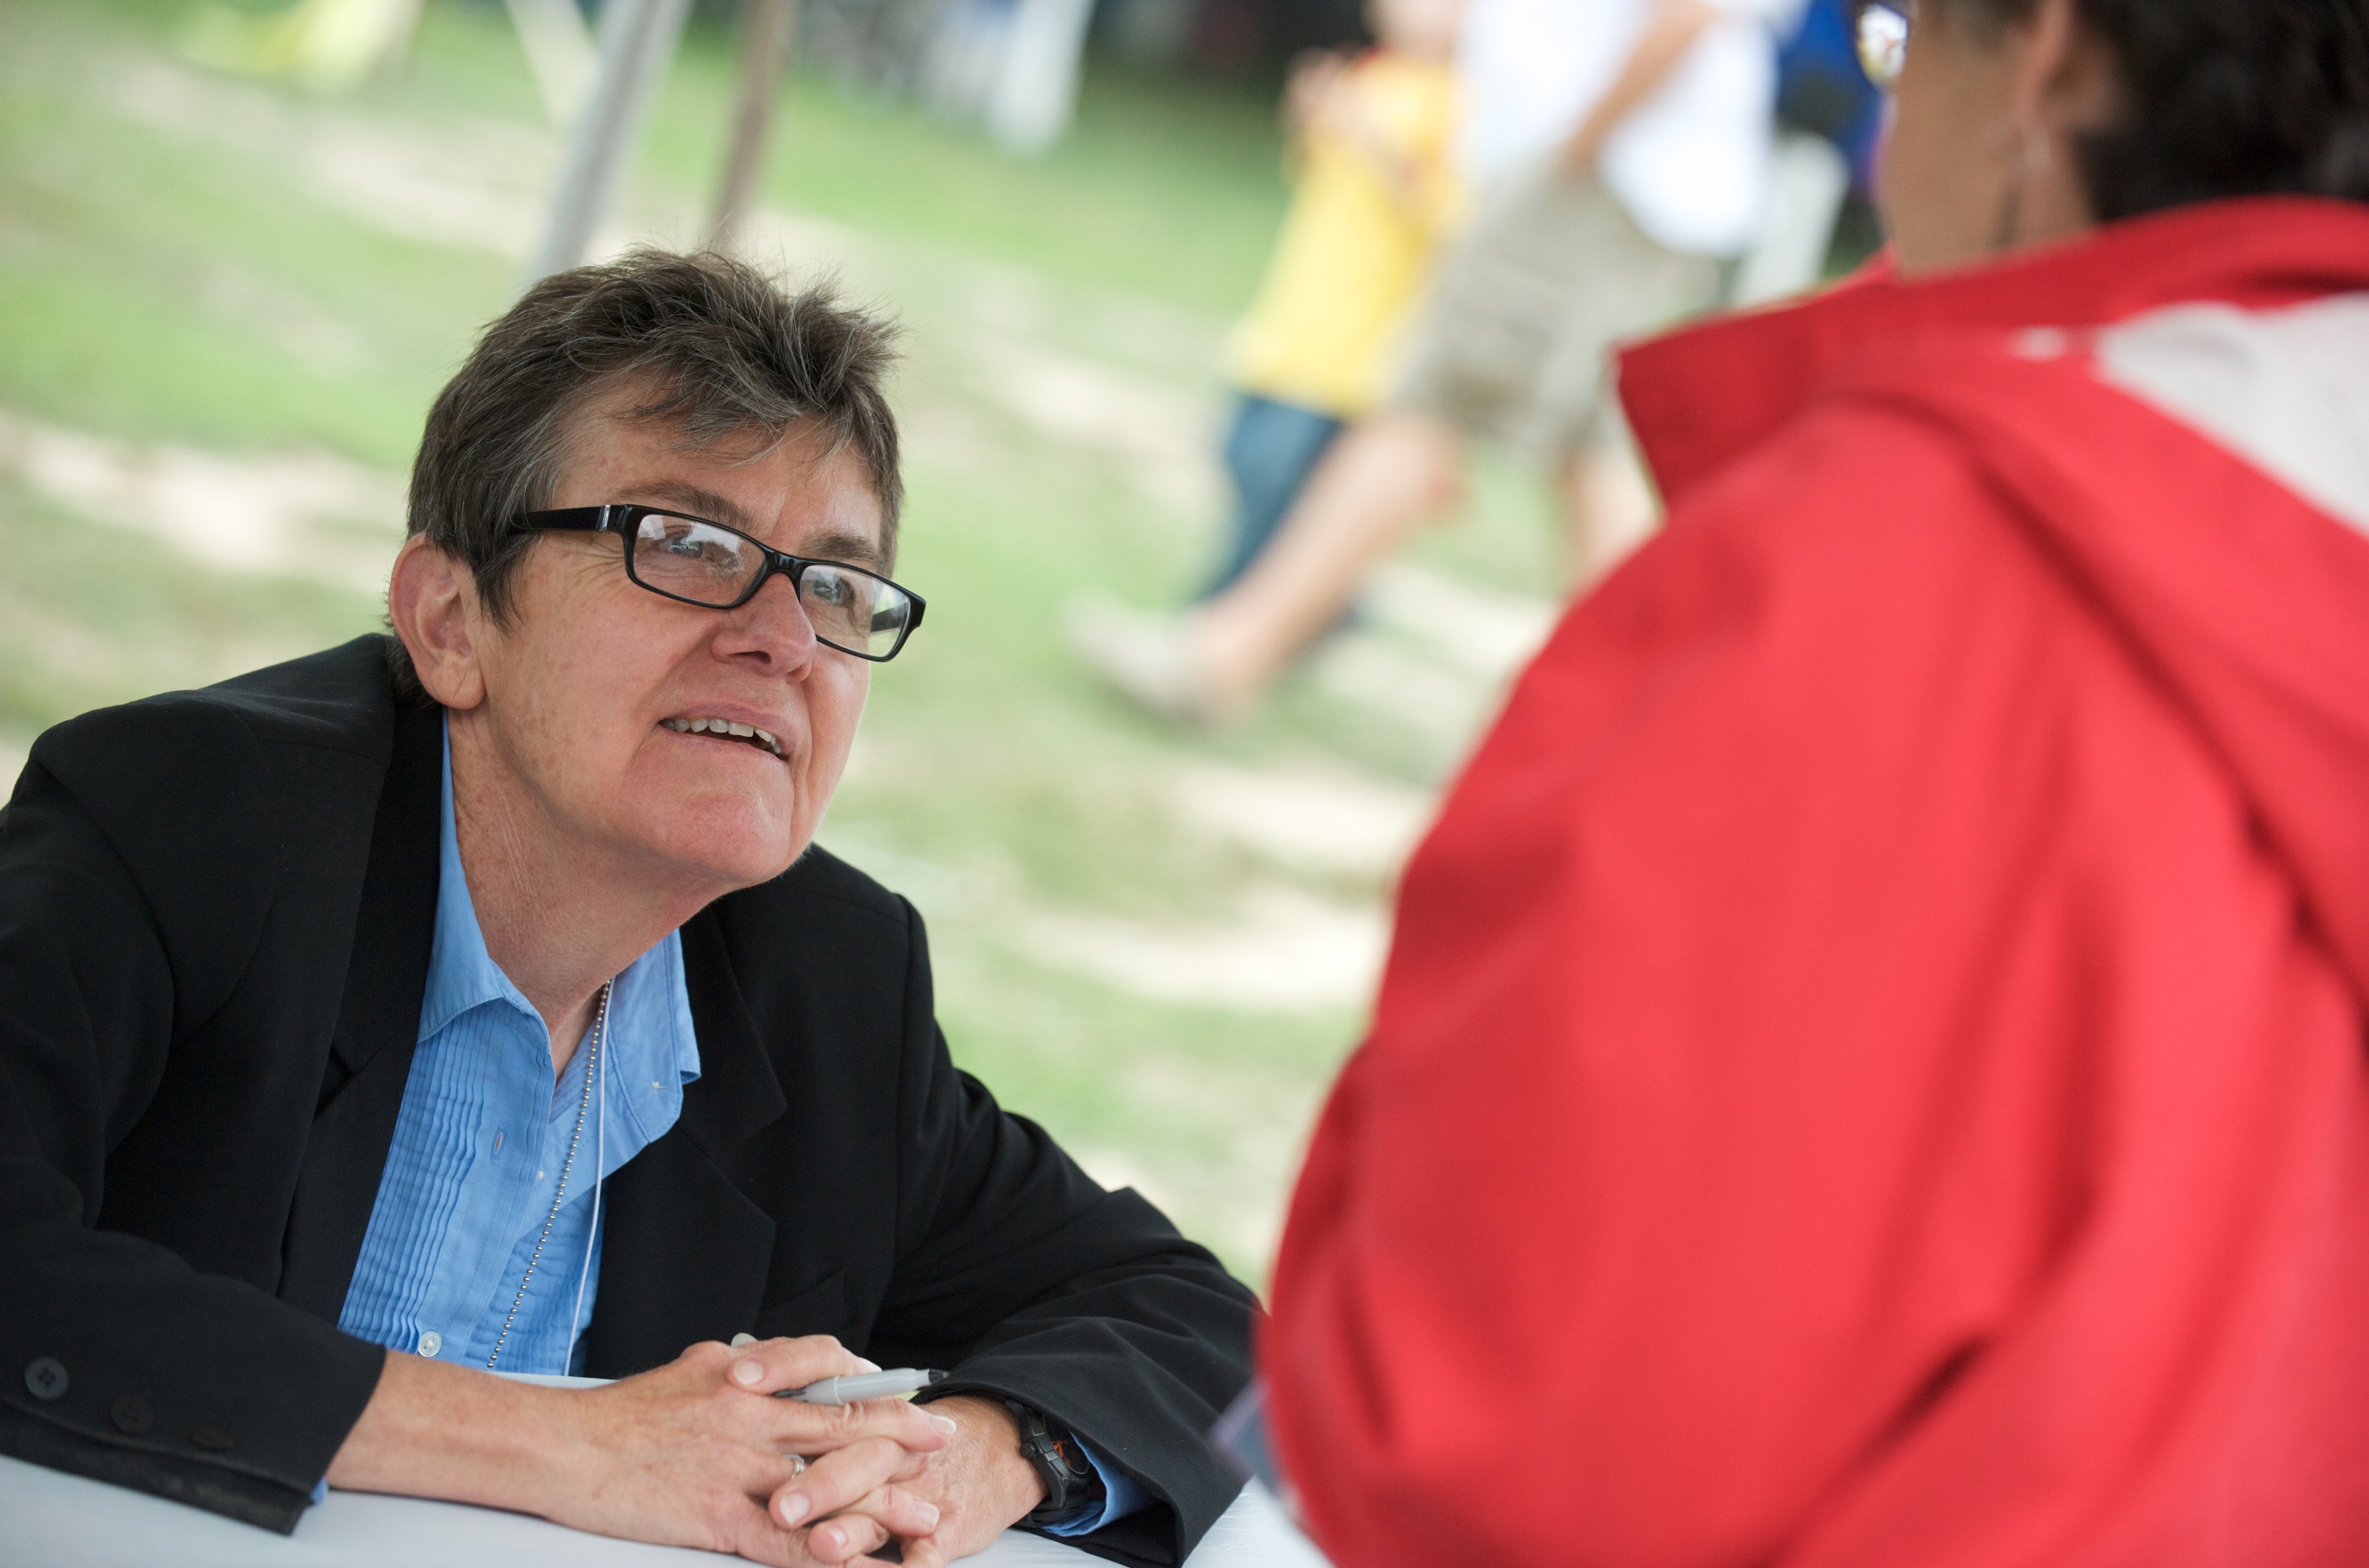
{"points": [[723, 352], [2226, 98]]}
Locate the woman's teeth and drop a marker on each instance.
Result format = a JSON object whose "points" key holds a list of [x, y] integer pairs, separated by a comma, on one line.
{"points": [[724, 726]]}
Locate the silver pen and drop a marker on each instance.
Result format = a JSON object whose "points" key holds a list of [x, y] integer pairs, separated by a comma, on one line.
{"points": [[893, 1383]]}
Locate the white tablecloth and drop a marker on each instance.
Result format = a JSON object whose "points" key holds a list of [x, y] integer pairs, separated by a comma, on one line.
{"points": [[50, 1519]]}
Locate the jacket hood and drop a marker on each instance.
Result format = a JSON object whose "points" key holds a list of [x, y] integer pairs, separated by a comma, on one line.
{"points": [[1700, 397], [2177, 409]]}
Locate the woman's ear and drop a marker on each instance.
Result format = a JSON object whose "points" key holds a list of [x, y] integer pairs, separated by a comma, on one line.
{"points": [[2064, 77], [431, 600], [2062, 86]]}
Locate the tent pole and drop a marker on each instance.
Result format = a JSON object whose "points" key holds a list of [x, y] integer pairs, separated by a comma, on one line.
{"points": [[768, 29], [637, 43]]}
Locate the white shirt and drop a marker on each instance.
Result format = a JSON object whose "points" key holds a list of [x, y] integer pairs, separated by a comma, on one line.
{"points": [[1691, 165]]}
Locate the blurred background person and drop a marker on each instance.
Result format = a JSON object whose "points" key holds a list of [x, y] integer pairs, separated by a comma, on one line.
{"points": [[1373, 190], [1617, 150], [1870, 1071], [1821, 88], [329, 45]]}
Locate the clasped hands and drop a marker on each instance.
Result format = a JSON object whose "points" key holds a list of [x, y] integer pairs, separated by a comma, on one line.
{"points": [[697, 1453], [700, 1443]]}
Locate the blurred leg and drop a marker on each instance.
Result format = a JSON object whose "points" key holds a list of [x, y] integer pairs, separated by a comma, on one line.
{"points": [[1614, 283], [1382, 480], [1608, 507]]}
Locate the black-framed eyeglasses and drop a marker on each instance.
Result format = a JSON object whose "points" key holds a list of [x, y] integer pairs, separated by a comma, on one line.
{"points": [[1879, 28], [694, 561]]}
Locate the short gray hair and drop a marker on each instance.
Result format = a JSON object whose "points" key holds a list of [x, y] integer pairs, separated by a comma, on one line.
{"points": [[722, 350]]}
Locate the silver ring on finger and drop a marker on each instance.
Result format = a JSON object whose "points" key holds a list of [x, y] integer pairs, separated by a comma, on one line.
{"points": [[797, 1465]]}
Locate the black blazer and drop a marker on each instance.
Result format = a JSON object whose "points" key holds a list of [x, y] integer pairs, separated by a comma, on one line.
{"points": [[215, 914]]}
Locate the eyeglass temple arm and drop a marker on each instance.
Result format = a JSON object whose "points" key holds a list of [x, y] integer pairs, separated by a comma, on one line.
{"points": [[574, 519]]}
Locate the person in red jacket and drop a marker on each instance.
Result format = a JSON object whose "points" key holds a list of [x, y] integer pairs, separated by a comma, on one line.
{"points": [[1872, 1071]]}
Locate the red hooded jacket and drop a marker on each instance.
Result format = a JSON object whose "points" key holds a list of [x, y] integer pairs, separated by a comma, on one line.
{"points": [[1871, 1071]]}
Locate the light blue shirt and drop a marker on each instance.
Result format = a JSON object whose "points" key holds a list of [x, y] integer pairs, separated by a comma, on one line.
{"points": [[482, 1140]]}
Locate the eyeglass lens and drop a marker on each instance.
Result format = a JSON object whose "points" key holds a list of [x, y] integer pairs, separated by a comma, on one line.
{"points": [[849, 608], [1882, 43]]}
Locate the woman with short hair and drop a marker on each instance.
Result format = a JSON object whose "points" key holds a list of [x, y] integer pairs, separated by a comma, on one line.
{"points": [[1871, 1068]]}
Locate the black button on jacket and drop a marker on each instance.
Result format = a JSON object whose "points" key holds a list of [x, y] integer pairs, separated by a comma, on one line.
{"points": [[215, 913]]}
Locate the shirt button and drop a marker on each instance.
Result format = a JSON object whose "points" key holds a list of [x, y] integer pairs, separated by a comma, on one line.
{"points": [[431, 1342], [130, 1413], [45, 1377]]}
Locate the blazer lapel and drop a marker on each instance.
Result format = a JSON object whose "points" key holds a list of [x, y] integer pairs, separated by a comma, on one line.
{"points": [[378, 1026], [736, 1091], [684, 1253]]}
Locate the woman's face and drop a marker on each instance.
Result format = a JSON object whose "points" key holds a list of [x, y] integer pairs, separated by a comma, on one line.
{"points": [[1980, 158], [588, 694]]}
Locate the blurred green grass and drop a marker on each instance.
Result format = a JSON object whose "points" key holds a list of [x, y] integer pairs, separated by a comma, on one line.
{"points": [[191, 261]]}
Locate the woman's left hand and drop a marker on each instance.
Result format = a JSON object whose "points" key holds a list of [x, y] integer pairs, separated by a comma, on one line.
{"points": [[965, 1493]]}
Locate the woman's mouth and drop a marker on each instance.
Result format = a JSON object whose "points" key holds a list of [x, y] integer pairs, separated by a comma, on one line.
{"points": [[726, 729]]}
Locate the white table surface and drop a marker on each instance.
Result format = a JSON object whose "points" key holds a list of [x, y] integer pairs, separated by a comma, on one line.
{"points": [[51, 1519]]}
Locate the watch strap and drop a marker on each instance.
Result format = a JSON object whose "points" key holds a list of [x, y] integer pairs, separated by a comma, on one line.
{"points": [[1070, 1479]]}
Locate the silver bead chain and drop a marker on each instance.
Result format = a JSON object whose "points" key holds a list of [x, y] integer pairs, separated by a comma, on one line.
{"points": [[591, 1065]]}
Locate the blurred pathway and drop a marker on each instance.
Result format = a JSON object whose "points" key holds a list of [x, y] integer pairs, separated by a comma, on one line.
{"points": [[298, 514]]}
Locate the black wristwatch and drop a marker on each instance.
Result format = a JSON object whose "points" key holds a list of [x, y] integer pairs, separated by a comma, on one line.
{"points": [[1070, 1480]]}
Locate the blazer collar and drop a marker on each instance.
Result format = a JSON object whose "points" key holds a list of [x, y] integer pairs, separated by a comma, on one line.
{"points": [[685, 1253], [396, 929], [378, 1016], [736, 1091]]}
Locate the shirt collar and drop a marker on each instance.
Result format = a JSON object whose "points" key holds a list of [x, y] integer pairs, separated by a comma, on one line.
{"points": [[461, 973], [653, 1052]]}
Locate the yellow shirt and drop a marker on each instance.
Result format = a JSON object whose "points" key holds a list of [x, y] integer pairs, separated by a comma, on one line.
{"points": [[1356, 246]]}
